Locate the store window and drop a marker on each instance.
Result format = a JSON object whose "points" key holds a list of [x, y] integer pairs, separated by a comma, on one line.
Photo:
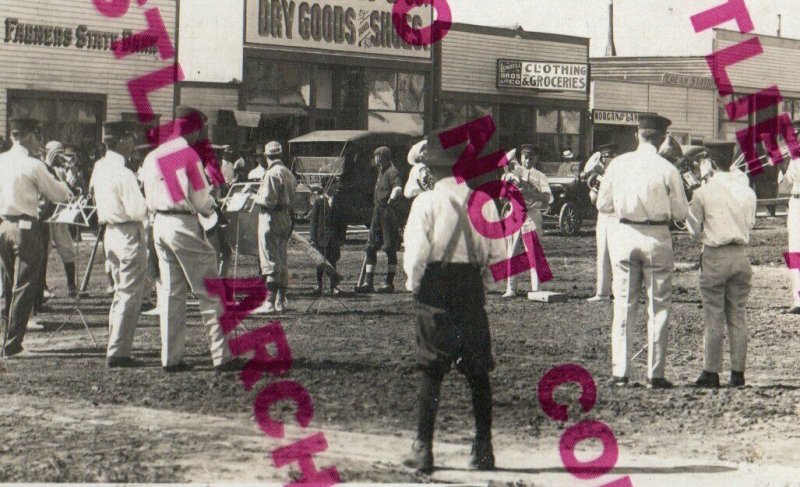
{"points": [[558, 131], [456, 113], [277, 83], [396, 101], [515, 126]]}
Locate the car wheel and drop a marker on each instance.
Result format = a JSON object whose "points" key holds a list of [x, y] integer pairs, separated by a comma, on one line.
{"points": [[569, 220]]}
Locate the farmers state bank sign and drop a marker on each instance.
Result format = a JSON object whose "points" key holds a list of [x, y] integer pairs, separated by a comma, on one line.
{"points": [[349, 26]]}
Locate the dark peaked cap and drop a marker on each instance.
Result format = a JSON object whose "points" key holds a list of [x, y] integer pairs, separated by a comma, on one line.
{"points": [[608, 148], [183, 111], [694, 152], [654, 122], [721, 151], [119, 129], [23, 124]]}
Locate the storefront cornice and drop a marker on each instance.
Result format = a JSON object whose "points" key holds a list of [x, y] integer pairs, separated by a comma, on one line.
{"points": [[319, 57]]}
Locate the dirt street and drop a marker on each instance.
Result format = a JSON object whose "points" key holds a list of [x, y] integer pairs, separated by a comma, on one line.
{"points": [[66, 418]]}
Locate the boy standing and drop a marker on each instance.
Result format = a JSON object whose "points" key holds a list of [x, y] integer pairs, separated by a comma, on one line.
{"points": [[327, 234], [721, 216]]}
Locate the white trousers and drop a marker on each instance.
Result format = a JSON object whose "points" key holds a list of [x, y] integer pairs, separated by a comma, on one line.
{"points": [[126, 255], [793, 227], [641, 255], [186, 258], [725, 285], [515, 245], [603, 272]]}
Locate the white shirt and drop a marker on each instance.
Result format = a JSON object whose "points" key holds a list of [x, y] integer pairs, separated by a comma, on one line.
{"points": [[641, 186], [157, 194], [535, 178], [740, 176], [116, 191], [439, 230], [277, 188], [257, 174], [722, 211], [22, 179], [791, 180]]}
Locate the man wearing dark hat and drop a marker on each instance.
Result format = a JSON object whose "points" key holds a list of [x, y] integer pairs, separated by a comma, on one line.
{"points": [[721, 216], [257, 173], [23, 178], [275, 224], [447, 263], [122, 209], [529, 156], [383, 230], [644, 191], [185, 258], [597, 165], [789, 181]]}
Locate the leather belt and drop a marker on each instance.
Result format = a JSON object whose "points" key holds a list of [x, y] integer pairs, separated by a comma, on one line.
{"points": [[651, 223], [174, 212]]}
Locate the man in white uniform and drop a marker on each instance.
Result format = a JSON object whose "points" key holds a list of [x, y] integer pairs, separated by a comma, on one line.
{"points": [[789, 181], [645, 193], [121, 207], [536, 192], [605, 154], [184, 255], [721, 216]]}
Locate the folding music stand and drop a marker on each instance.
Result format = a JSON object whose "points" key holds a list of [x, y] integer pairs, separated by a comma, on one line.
{"points": [[76, 212]]}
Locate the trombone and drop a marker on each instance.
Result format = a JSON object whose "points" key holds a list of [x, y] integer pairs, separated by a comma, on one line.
{"points": [[742, 165]]}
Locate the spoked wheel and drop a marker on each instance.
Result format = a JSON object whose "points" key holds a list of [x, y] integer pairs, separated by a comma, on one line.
{"points": [[569, 220]]}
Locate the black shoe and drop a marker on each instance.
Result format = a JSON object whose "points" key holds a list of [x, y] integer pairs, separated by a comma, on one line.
{"points": [[122, 362], [386, 289], [736, 380], [18, 352], [482, 455], [179, 367], [794, 310], [420, 457], [619, 381], [335, 281], [709, 380], [365, 289], [233, 365], [659, 383]]}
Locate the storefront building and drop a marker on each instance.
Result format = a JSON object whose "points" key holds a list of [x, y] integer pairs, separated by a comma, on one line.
{"points": [[535, 86], [679, 88], [58, 67]]}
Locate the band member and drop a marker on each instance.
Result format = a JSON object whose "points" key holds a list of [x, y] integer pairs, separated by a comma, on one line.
{"points": [[645, 192], [789, 180], [184, 255], [447, 263], [567, 156], [327, 232], [226, 166], [594, 171], [383, 230], [122, 209], [257, 173], [670, 150], [419, 178], [275, 225], [721, 216], [23, 178], [536, 192]]}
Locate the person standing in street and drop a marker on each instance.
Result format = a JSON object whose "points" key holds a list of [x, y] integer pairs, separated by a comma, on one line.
{"points": [[537, 194], [789, 181], [122, 209], [383, 231], [721, 216], [23, 178], [606, 153], [185, 258], [645, 193], [447, 263], [257, 173], [275, 226], [327, 232]]}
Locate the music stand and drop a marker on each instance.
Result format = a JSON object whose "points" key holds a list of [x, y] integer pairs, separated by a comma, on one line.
{"points": [[75, 212]]}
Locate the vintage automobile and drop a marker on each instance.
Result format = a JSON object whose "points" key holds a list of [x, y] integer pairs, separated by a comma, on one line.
{"points": [[571, 203], [347, 155]]}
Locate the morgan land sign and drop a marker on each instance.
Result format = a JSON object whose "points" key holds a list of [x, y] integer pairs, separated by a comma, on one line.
{"points": [[349, 26], [610, 117], [541, 76]]}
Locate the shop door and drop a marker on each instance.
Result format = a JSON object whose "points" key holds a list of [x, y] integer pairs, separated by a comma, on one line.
{"points": [[622, 135], [74, 119]]}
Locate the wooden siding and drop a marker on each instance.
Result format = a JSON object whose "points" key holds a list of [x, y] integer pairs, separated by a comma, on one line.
{"points": [[469, 62], [70, 69], [210, 100], [647, 68], [777, 65]]}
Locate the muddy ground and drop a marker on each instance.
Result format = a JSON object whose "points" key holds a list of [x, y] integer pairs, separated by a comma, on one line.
{"points": [[66, 418]]}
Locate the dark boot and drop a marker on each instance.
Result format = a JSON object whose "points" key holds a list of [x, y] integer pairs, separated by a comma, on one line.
{"points": [[709, 380], [368, 286], [69, 271], [421, 457], [482, 455], [736, 380], [320, 275]]}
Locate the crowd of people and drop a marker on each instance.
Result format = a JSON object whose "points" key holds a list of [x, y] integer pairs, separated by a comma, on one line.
{"points": [[153, 241]]}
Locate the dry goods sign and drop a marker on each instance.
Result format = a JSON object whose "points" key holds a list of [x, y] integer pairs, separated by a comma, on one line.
{"points": [[543, 76]]}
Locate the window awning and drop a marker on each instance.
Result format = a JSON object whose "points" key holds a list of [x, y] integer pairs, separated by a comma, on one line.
{"points": [[242, 118]]}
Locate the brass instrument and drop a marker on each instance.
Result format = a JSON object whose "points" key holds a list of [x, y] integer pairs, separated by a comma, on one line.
{"points": [[742, 165], [425, 179]]}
